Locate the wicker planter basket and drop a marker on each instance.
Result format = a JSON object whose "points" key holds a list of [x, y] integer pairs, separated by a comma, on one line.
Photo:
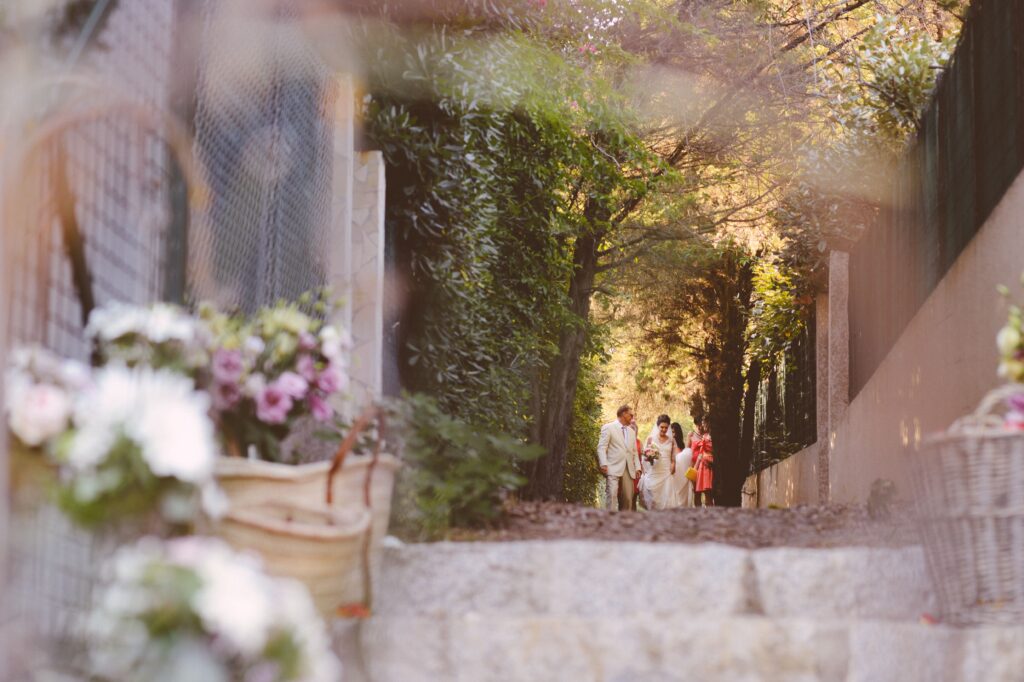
{"points": [[320, 547], [249, 482], [969, 488], [328, 547]]}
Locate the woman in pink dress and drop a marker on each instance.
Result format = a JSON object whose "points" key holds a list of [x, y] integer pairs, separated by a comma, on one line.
{"points": [[703, 461]]}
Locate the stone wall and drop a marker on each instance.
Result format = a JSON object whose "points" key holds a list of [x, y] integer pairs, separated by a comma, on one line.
{"points": [[790, 482], [937, 371], [357, 265], [941, 366]]}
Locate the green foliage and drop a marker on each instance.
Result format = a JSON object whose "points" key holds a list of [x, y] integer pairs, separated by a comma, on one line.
{"points": [[457, 474], [880, 95], [494, 143], [122, 490], [582, 476], [778, 311]]}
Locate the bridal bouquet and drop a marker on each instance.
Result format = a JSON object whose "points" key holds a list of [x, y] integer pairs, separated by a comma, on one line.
{"points": [[193, 609], [270, 371], [651, 453], [126, 441]]}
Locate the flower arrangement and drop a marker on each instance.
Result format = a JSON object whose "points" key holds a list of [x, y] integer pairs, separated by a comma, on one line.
{"points": [[1010, 341], [271, 371], [193, 609], [125, 440]]}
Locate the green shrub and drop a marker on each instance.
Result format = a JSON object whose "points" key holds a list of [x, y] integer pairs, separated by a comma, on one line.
{"points": [[582, 476], [456, 474]]}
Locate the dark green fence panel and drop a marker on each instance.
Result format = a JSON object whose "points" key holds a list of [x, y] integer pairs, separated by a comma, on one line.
{"points": [[969, 149]]}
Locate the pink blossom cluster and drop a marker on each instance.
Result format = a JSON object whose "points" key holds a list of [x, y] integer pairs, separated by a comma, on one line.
{"points": [[275, 390]]}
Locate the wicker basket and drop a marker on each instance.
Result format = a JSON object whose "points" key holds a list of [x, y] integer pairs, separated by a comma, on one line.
{"points": [[320, 547], [969, 488], [328, 548], [249, 482]]}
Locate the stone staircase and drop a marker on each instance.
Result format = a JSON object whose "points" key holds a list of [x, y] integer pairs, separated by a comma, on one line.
{"points": [[623, 611]]}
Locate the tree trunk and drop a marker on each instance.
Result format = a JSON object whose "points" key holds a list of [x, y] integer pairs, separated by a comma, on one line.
{"points": [[549, 472], [724, 391], [750, 411]]}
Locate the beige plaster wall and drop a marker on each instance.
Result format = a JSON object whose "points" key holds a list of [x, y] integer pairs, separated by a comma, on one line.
{"points": [[792, 481], [940, 368]]}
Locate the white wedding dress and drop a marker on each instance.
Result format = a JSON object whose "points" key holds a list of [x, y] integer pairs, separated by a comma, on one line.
{"points": [[659, 489]]}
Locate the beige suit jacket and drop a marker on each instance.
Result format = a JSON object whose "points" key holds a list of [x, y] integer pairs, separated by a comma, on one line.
{"points": [[615, 452]]}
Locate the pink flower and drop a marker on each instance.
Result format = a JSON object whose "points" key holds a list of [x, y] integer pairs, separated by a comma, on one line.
{"points": [[307, 341], [227, 366], [273, 405], [320, 408], [292, 385], [331, 380], [306, 367], [226, 396]]}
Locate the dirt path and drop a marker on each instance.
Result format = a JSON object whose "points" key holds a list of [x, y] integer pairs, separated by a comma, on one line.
{"points": [[833, 526]]}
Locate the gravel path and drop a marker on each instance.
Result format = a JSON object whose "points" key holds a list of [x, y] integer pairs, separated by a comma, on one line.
{"points": [[832, 526]]}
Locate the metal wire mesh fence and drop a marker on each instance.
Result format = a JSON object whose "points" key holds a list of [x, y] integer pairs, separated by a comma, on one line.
{"points": [[263, 135], [96, 196], [103, 218]]}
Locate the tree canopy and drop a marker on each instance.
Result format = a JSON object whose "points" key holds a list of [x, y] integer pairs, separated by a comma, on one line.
{"points": [[686, 163]]}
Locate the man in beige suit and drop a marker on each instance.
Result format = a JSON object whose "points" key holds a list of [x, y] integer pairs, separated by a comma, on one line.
{"points": [[616, 453]]}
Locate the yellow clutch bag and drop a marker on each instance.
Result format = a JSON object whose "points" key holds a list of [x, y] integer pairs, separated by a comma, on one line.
{"points": [[691, 474]]}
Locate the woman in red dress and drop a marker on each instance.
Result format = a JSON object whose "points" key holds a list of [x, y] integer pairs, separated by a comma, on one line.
{"points": [[703, 461]]}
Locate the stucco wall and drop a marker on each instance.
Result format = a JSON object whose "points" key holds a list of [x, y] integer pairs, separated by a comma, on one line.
{"points": [[792, 481], [940, 368]]}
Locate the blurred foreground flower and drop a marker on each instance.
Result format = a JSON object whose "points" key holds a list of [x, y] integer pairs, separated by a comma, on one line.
{"points": [[128, 442], [193, 609]]}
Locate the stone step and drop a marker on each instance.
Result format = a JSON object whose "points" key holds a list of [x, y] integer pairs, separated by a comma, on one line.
{"points": [[594, 579], [689, 646]]}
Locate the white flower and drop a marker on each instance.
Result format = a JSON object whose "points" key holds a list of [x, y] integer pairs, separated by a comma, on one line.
{"points": [[213, 500], [158, 410], [168, 323], [38, 413], [173, 429], [236, 599], [1008, 340], [74, 375], [115, 320], [298, 614], [254, 385], [333, 342], [253, 346]]}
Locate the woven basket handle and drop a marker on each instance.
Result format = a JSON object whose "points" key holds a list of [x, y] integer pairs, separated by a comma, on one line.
{"points": [[982, 418], [346, 447]]}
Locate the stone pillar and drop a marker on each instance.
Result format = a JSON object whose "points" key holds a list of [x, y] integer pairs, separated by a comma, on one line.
{"points": [[339, 275], [821, 384], [838, 342], [368, 277]]}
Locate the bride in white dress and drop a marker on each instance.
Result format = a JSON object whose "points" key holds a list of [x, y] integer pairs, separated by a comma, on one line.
{"points": [[658, 487]]}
